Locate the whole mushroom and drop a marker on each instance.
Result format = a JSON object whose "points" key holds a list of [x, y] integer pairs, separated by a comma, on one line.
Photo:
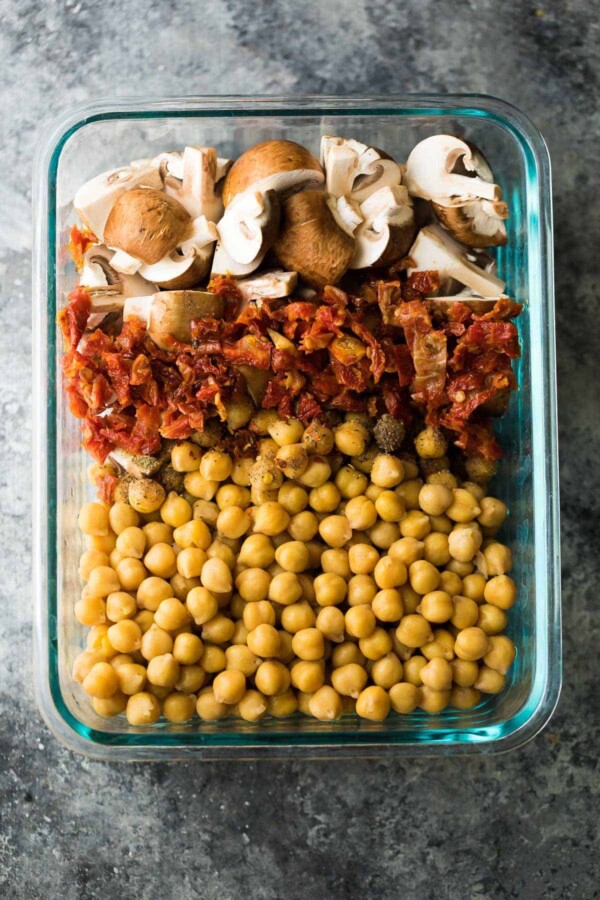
{"points": [[94, 200], [146, 224]]}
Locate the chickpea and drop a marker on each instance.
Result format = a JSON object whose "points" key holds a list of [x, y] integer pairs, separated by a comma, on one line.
{"points": [[97, 641], [303, 526], [201, 605], [324, 499], [493, 512], [464, 672], [401, 650], [473, 587], [307, 675], [258, 612], [156, 642], [120, 605], [292, 459], [501, 654], [93, 519], [318, 438], [190, 562], [267, 450], [101, 681], [415, 524], [349, 679], [317, 472], [330, 589], [489, 681], [233, 522], [464, 697], [389, 506], [350, 483], [361, 589], [83, 663], [298, 616], [387, 670], [262, 420], [264, 641], [171, 614], [103, 543], [143, 709], [423, 576], [413, 668], [384, 534], [410, 598], [125, 636], [163, 671], [434, 499], [432, 701], [282, 705], [465, 612], [216, 576], [161, 560], [145, 619], [208, 708], [387, 605], [431, 443], [286, 432], [500, 591], [441, 524], [285, 588], [461, 569], [213, 659], [351, 438], [331, 623], [157, 533], [409, 492], [337, 562], [491, 619], [131, 542], [376, 644], [216, 465], [498, 559], [436, 606], [185, 457], [373, 703], [253, 584], [145, 495], [464, 542], [361, 513], [387, 471], [257, 550], [179, 708], [362, 559], [471, 643], [346, 653], [390, 573], [414, 631], [176, 510], [292, 497], [285, 654], [240, 473], [218, 630], [360, 621], [265, 475], [407, 549], [464, 507], [187, 649], [229, 686], [404, 697], [325, 704], [303, 700], [436, 549], [110, 707], [451, 583], [91, 610], [102, 581], [253, 706], [200, 487], [364, 462], [131, 573], [271, 519], [308, 643], [437, 674], [239, 657], [335, 530], [293, 556], [91, 559], [220, 549], [441, 646]]}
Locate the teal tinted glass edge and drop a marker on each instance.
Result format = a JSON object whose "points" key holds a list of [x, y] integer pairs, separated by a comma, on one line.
{"points": [[538, 212]]}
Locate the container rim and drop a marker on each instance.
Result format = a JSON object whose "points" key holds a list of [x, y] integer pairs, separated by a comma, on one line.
{"points": [[55, 132]]}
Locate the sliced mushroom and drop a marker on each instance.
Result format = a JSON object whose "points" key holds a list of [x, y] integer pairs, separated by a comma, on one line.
{"points": [[224, 264], [189, 263], [249, 225], [272, 285], [431, 172], [146, 224], [355, 169], [434, 249], [138, 466], [478, 223], [99, 269], [311, 242], [386, 233], [94, 200], [190, 177], [282, 166], [169, 314], [346, 213]]}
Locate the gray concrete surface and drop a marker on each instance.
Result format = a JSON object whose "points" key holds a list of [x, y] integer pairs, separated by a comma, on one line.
{"points": [[520, 826]]}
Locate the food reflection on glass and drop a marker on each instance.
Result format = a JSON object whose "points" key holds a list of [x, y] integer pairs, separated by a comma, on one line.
{"points": [[287, 371]]}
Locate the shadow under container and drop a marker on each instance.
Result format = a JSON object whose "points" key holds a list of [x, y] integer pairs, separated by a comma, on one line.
{"points": [[101, 136]]}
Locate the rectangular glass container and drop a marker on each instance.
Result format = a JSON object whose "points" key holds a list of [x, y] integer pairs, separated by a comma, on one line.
{"points": [[100, 136]]}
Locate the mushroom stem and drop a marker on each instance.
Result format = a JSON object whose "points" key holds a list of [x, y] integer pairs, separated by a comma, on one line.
{"points": [[434, 249]]}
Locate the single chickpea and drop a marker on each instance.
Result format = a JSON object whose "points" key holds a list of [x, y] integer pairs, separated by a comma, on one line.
{"points": [[120, 605], [390, 573], [384, 534], [373, 703], [361, 589], [155, 642], [460, 568], [239, 657], [414, 631], [270, 519], [218, 630], [433, 702], [157, 533], [362, 559], [464, 697], [303, 526], [389, 506], [286, 432], [351, 438], [451, 583], [285, 588], [350, 483], [97, 641], [464, 542], [410, 598], [361, 513], [360, 621], [437, 674], [257, 613], [423, 576], [441, 524], [101, 681], [441, 646], [200, 487], [253, 584], [318, 438], [292, 497], [292, 556], [324, 499], [336, 561], [233, 522], [493, 512], [125, 636], [163, 671], [404, 697], [489, 681], [264, 641], [436, 606], [175, 511], [131, 573], [364, 462], [161, 560], [143, 709], [216, 576], [407, 549], [491, 619], [185, 457], [253, 706], [121, 516], [190, 562], [464, 672], [307, 675], [413, 668], [187, 649], [471, 643], [220, 549], [89, 560], [501, 654], [331, 623], [387, 670], [434, 499], [272, 678], [436, 549], [202, 605], [308, 644], [325, 704], [292, 459], [330, 589], [112, 706], [229, 686], [179, 708], [415, 524], [145, 619], [171, 614], [93, 519], [91, 611], [431, 443], [216, 465], [282, 705], [131, 542], [376, 644], [401, 650], [349, 679], [464, 507], [317, 472], [207, 707], [213, 659], [473, 587], [206, 512], [240, 473], [257, 550], [297, 616], [387, 471], [500, 591], [146, 495], [498, 559], [267, 449], [346, 653], [387, 605], [335, 530], [83, 663], [465, 612], [409, 492], [102, 581]]}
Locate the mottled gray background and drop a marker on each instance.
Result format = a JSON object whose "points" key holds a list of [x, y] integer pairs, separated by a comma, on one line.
{"points": [[523, 825]]}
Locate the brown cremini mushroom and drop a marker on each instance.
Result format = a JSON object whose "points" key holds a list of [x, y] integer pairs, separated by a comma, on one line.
{"points": [[94, 200], [282, 166], [146, 224], [169, 314]]}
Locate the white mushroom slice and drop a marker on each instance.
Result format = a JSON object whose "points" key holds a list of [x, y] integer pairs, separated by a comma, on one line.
{"points": [[189, 263], [138, 308], [249, 225], [98, 269], [353, 168], [434, 249], [223, 167], [272, 285], [386, 232], [224, 264], [169, 314], [190, 178], [430, 175], [125, 263], [346, 213], [138, 466], [94, 200], [477, 223]]}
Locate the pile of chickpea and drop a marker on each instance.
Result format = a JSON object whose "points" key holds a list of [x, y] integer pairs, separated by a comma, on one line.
{"points": [[322, 576]]}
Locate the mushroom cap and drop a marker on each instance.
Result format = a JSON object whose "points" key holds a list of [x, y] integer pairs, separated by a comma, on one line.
{"points": [[173, 312], [431, 171], [180, 270], [93, 201], [310, 240], [478, 224], [281, 165], [146, 224]]}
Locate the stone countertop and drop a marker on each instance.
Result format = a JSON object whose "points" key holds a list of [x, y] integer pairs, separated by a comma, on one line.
{"points": [[522, 825]]}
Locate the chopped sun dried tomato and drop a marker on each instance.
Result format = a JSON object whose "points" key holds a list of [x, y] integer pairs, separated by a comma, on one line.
{"points": [[80, 240]]}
